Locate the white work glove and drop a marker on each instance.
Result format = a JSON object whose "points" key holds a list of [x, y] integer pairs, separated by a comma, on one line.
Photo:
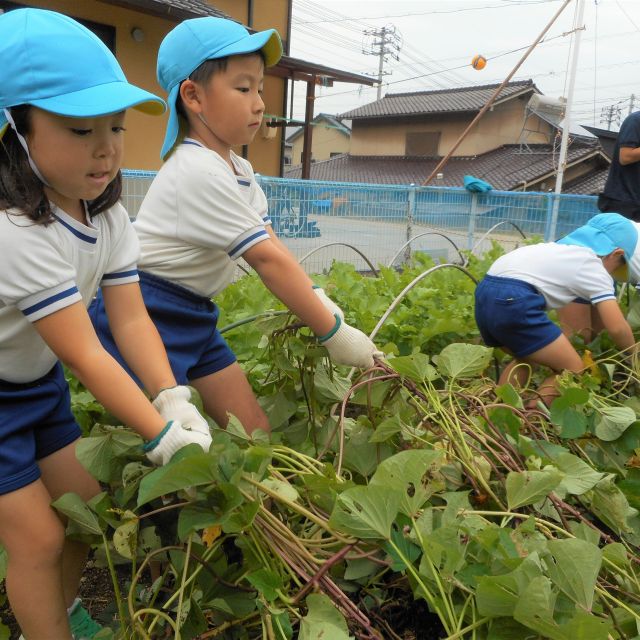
{"points": [[329, 304], [185, 425], [175, 404], [348, 345], [172, 438]]}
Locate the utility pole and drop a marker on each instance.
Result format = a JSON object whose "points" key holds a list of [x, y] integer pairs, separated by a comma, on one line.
{"points": [[632, 99], [386, 42], [611, 113]]}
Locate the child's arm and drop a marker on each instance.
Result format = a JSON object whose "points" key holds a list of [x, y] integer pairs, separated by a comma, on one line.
{"points": [[615, 323], [137, 338], [70, 335], [285, 278]]}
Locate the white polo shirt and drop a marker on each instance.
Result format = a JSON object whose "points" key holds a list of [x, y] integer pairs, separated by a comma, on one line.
{"points": [[46, 268], [199, 217], [560, 272]]}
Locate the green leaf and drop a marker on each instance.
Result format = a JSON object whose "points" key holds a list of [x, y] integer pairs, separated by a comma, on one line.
{"points": [[387, 429], [330, 389], [97, 453], [125, 537], [572, 422], [508, 394], [574, 566], [462, 360], [279, 407], [610, 505], [416, 367], [190, 471], [283, 489], [529, 487], [366, 512], [578, 475], [409, 551], [74, 507], [613, 422], [411, 474], [323, 621], [267, 583], [497, 596]]}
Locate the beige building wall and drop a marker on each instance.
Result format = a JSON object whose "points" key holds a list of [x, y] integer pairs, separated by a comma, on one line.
{"points": [[144, 135], [502, 125], [325, 141]]}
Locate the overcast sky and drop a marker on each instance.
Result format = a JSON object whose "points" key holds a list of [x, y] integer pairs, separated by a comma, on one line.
{"points": [[439, 38]]}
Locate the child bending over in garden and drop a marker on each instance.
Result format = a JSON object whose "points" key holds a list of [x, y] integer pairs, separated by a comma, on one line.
{"points": [[62, 233], [512, 299], [205, 210]]}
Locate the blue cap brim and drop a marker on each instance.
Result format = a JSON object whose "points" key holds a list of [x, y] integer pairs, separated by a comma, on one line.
{"points": [[173, 124], [101, 100], [267, 41], [98, 101], [592, 238]]}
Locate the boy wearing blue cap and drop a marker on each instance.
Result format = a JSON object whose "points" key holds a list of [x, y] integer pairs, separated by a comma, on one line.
{"points": [[511, 300], [204, 211], [63, 233]]}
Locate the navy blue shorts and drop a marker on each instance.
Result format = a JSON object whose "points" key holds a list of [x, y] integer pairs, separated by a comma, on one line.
{"points": [[186, 323], [35, 421], [511, 313]]}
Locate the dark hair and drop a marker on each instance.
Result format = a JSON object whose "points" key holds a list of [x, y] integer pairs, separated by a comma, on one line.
{"points": [[20, 188]]}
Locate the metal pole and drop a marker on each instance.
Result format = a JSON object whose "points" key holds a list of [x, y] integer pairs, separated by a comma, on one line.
{"points": [[562, 160], [482, 111]]}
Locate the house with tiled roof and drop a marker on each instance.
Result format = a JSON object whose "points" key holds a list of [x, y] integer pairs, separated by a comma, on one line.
{"points": [[133, 30], [401, 138], [331, 137]]}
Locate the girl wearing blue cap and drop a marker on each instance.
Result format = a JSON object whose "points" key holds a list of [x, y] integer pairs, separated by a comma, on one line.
{"points": [[204, 211], [512, 299], [62, 234]]}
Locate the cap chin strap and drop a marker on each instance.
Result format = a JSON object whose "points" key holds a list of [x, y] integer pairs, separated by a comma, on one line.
{"points": [[23, 144], [205, 123]]}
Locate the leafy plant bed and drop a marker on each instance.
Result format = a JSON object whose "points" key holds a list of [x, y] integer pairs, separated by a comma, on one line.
{"points": [[415, 500]]}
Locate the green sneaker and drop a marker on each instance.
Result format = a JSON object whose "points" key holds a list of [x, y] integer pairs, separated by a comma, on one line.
{"points": [[83, 626]]}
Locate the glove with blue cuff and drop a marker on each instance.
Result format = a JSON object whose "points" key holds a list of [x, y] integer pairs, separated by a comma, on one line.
{"points": [[184, 426], [329, 304], [348, 345]]}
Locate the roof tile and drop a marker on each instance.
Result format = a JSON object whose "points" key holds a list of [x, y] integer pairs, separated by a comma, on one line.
{"points": [[506, 168], [439, 101]]}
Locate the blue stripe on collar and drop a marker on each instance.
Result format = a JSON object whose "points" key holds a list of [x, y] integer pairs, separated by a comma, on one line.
{"points": [[83, 236]]}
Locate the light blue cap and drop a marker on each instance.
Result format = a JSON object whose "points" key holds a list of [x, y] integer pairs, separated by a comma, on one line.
{"points": [[50, 61], [192, 42], [605, 233]]}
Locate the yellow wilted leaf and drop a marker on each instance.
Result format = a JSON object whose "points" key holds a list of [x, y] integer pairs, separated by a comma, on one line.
{"points": [[211, 534], [590, 363]]}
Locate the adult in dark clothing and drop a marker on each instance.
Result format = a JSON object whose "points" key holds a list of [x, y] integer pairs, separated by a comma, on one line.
{"points": [[622, 190]]}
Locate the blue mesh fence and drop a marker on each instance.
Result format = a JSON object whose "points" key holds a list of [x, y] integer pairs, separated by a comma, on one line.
{"points": [[386, 223]]}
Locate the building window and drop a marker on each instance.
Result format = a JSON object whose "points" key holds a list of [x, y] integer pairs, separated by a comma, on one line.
{"points": [[422, 143], [105, 32], [333, 154]]}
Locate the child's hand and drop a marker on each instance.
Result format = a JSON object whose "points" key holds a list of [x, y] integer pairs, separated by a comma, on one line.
{"points": [[174, 404], [348, 345], [172, 438], [329, 304]]}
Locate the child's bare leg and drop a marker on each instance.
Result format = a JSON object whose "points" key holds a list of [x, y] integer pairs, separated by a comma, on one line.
{"points": [[559, 356], [576, 318], [228, 391], [33, 537], [516, 373], [62, 473]]}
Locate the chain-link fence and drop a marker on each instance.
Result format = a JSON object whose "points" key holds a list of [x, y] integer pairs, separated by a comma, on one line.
{"points": [[325, 221]]}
